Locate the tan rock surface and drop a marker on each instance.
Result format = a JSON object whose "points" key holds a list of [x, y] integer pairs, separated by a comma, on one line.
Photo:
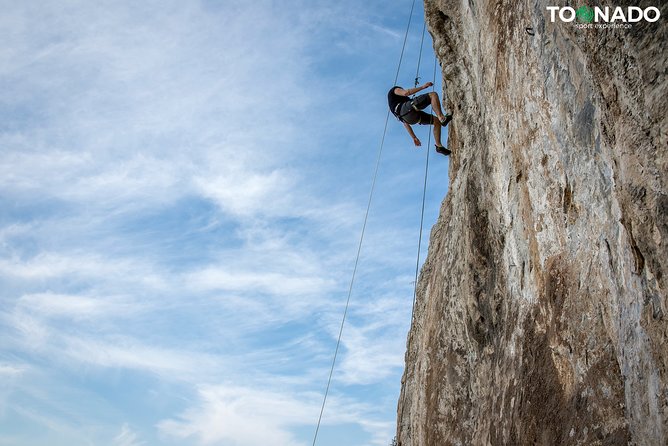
{"points": [[542, 309]]}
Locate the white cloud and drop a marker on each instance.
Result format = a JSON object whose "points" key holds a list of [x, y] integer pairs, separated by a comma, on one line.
{"points": [[50, 265], [250, 416], [371, 351], [131, 354], [11, 370], [74, 331], [370, 355], [379, 431], [29, 333], [10, 373], [239, 416], [127, 437], [220, 278], [244, 193], [76, 307]]}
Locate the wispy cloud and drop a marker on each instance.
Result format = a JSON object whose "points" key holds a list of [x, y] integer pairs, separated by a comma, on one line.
{"points": [[9, 374], [128, 353], [258, 282], [372, 352], [127, 437], [11, 370], [76, 306], [241, 417], [86, 265], [233, 415]]}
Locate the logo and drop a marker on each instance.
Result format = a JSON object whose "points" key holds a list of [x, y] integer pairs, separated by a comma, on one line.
{"points": [[604, 17], [585, 14]]}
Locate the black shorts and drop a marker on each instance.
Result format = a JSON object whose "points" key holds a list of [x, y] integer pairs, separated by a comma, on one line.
{"points": [[411, 112]]}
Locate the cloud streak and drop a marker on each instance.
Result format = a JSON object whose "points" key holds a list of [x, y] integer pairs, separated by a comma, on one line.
{"points": [[240, 417], [127, 437]]}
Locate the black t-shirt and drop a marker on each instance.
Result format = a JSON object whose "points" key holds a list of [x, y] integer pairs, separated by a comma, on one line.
{"points": [[394, 99]]}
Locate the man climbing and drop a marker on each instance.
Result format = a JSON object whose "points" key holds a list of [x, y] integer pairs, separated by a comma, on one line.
{"points": [[409, 112]]}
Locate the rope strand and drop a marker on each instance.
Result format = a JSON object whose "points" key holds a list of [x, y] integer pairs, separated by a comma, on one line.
{"points": [[417, 71], [424, 195]]}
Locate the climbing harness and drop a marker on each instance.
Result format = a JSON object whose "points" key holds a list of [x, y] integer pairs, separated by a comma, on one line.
{"points": [[366, 216], [397, 112]]}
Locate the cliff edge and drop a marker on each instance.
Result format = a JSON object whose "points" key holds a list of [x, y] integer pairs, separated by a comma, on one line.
{"points": [[542, 312]]}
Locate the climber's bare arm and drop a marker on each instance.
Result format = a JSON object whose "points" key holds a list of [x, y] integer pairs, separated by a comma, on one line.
{"points": [[410, 131], [411, 91]]}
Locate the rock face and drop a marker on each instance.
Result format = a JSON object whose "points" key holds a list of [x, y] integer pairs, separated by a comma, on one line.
{"points": [[542, 309]]}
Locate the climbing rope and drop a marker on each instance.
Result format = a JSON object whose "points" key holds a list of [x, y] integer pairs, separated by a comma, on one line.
{"points": [[417, 71], [424, 195], [359, 247]]}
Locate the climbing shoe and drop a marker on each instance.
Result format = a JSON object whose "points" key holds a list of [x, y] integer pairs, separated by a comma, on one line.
{"points": [[446, 119], [443, 151]]}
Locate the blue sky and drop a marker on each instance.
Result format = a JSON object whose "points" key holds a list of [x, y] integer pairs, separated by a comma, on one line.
{"points": [[182, 187]]}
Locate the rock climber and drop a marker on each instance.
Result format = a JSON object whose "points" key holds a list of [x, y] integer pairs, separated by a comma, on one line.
{"points": [[409, 112]]}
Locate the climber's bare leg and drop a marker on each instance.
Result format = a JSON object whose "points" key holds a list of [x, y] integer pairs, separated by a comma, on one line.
{"points": [[437, 131], [436, 106]]}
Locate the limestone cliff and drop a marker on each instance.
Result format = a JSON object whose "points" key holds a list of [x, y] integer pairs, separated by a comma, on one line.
{"points": [[542, 309]]}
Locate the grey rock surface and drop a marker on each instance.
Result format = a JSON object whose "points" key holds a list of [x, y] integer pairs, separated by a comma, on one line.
{"points": [[542, 312]]}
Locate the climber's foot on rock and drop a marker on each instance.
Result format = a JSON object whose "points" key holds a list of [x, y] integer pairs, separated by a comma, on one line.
{"points": [[443, 151], [445, 119]]}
